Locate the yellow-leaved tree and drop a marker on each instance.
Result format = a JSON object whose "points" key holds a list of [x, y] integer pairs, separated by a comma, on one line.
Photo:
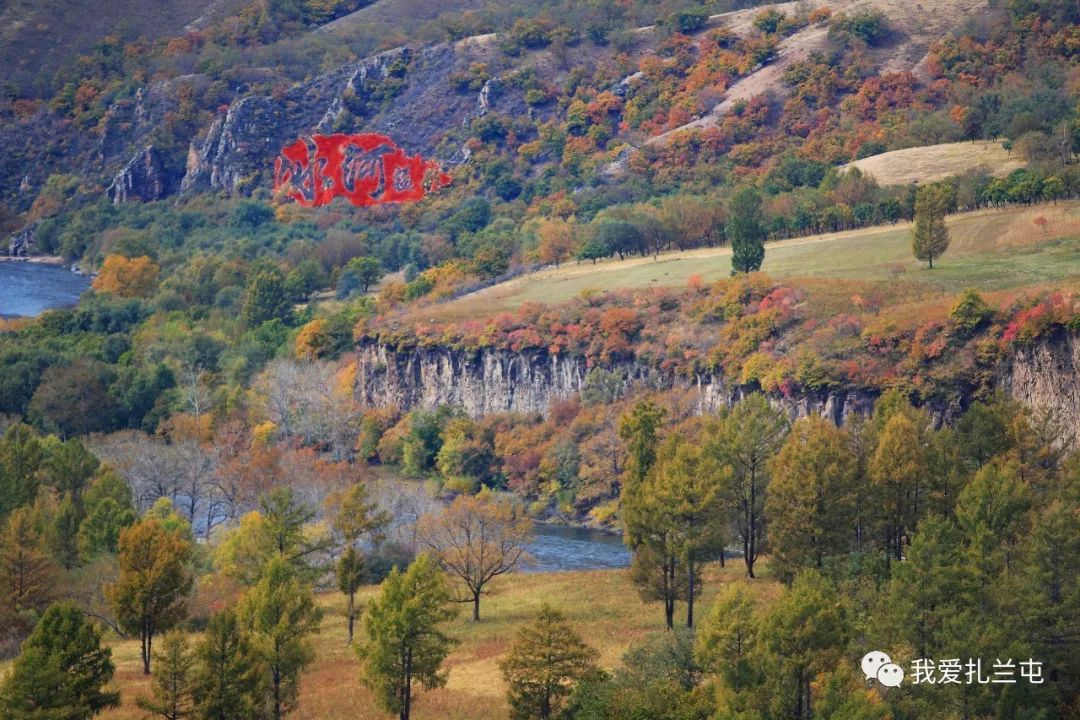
{"points": [[127, 277]]}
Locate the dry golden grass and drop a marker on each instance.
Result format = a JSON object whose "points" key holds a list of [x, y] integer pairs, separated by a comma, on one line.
{"points": [[936, 162], [603, 606]]}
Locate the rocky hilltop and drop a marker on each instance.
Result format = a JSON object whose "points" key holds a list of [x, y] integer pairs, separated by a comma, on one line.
{"points": [[1043, 376]]}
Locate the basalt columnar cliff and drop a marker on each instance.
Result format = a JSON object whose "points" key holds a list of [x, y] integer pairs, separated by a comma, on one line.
{"points": [[1044, 376]]}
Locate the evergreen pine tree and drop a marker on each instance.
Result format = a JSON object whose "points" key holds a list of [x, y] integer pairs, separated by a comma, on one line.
{"points": [[405, 644], [929, 236], [746, 229], [279, 613], [226, 678], [171, 697], [60, 672]]}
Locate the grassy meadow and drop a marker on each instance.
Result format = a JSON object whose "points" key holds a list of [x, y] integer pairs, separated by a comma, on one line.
{"points": [[603, 605], [999, 249]]}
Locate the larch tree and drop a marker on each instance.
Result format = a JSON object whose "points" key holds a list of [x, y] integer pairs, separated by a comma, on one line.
{"points": [[639, 429], [476, 539], [226, 676], [354, 516], [929, 235], [746, 438], [279, 614], [656, 568], [171, 697], [810, 497], [684, 496], [404, 644], [27, 574], [726, 640], [898, 467], [61, 671], [803, 635], [21, 457], [151, 592], [546, 661], [265, 299]]}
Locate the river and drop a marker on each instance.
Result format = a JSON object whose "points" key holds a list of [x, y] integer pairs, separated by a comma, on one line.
{"points": [[556, 547], [28, 289]]}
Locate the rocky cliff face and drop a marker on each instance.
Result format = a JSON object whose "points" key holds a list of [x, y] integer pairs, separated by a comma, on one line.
{"points": [[490, 381], [1044, 376], [142, 178]]}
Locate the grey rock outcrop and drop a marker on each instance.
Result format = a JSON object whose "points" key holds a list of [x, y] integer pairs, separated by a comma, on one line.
{"points": [[1046, 376], [22, 242], [142, 178], [395, 92]]}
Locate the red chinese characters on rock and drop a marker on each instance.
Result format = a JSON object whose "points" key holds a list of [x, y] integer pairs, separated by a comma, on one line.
{"points": [[365, 169]]}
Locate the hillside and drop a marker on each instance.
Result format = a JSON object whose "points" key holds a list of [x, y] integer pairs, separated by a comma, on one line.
{"points": [[994, 250], [37, 38], [937, 162]]}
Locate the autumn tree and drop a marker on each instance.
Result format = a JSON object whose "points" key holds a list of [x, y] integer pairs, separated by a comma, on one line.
{"points": [[682, 498], [929, 235], [548, 658], [27, 573], [226, 676], [405, 644], [746, 230], [151, 592], [810, 499], [279, 614], [61, 672], [745, 438], [477, 539], [354, 516], [555, 241], [127, 277], [314, 340], [171, 696], [898, 468]]}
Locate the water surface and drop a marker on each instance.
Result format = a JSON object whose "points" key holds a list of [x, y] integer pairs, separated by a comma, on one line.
{"points": [[556, 548], [28, 289]]}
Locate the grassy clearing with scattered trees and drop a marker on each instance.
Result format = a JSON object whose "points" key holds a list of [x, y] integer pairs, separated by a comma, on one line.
{"points": [[602, 606], [995, 249]]}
